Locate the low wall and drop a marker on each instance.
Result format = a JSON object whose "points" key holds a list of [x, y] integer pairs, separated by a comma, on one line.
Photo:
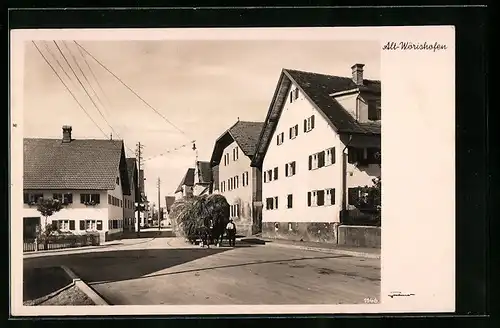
{"points": [[320, 232], [361, 236]]}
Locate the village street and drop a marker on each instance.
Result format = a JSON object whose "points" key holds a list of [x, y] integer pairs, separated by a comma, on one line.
{"points": [[168, 271]]}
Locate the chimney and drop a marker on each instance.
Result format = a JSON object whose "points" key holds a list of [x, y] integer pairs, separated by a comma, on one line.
{"points": [[357, 73], [66, 133]]}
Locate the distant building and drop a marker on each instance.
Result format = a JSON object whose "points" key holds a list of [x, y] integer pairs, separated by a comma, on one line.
{"points": [[89, 176], [202, 178], [129, 208], [320, 142], [169, 201], [185, 188], [239, 182]]}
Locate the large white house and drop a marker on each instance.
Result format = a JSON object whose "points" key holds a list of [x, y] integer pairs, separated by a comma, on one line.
{"points": [[89, 176], [320, 140], [234, 177]]}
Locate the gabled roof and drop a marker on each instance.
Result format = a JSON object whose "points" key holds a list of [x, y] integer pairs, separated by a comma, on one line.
{"points": [[82, 164], [244, 133], [133, 177], [187, 180], [318, 88], [204, 172]]}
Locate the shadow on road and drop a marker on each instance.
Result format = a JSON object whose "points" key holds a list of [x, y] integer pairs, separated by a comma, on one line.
{"points": [[148, 234], [39, 282], [230, 266], [126, 264]]}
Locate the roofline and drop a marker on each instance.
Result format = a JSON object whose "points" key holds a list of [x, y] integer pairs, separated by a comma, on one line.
{"points": [[345, 92]]}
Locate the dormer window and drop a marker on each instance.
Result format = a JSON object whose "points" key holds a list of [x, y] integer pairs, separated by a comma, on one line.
{"points": [[374, 112]]}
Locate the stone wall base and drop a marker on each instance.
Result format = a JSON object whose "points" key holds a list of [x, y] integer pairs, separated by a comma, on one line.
{"points": [[321, 232], [361, 236]]}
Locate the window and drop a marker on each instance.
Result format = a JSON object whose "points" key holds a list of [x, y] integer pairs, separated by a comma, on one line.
{"points": [[237, 181], [294, 94], [276, 202], [118, 181], [280, 138], [330, 156], [313, 161], [290, 169], [374, 112], [294, 131], [82, 224], [244, 179], [235, 210], [90, 225], [110, 200], [275, 173], [59, 197], [356, 155], [90, 198], [309, 124], [121, 203], [289, 199], [269, 174], [64, 225], [330, 196], [31, 198], [236, 153], [271, 203], [99, 225]]}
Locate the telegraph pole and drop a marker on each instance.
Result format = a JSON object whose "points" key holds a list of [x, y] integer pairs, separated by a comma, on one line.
{"points": [[139, 201], [159, 207]]}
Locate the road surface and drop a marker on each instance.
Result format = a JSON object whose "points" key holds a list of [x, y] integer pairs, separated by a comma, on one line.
{"points": [[156, 272]]}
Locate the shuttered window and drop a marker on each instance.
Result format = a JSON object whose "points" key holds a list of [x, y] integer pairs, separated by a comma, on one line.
{"points": [[71, 224], [289, 199], [353, 196], [82, 224]]}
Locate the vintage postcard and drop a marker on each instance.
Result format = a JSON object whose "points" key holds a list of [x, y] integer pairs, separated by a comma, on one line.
{"points": [[232, 171]]}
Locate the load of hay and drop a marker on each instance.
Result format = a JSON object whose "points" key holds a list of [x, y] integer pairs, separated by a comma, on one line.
{"points": [[188, 214]]}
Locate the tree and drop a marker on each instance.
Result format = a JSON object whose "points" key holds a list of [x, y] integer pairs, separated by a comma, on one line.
{"points": [[47, 207], [371, 197]]}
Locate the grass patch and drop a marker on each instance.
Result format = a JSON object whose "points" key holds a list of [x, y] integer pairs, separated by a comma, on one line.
{"points": [[70, 296]]}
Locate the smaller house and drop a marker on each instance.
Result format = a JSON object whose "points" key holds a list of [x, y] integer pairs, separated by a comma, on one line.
{"points": [[89, 176], [185, 188]]}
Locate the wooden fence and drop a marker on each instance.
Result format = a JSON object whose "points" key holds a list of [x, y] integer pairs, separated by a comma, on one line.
{"points": [[61, 242]]}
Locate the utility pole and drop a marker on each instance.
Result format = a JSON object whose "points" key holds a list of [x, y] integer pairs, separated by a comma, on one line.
{"points": [[139, 201], [159, 207]]}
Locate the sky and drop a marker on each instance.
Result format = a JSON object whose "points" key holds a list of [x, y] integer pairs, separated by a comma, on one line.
{"points": [[202, 87]]}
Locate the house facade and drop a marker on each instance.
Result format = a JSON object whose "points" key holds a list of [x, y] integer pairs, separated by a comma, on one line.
{"points": [[129, 201], [240, 183], [88, 176], [185, 188], [319, 143]]}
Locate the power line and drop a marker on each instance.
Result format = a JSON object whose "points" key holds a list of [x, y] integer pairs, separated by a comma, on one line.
{"points": [[92, 100], [166, 152], [131, 90], [69, 90], [59, 63], [81, 71]]}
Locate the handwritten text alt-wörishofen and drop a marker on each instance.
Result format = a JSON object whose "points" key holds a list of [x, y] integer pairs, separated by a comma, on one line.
{"points": [[414, 46]]}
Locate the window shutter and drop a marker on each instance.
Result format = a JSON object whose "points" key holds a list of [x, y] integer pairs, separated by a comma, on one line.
{"points": [[82, 198], [291, 96], [296, 93], [310, 162], [353, 196], [305, 125], [308, 198], [296, 129], [71, 224], [332, 196], [321, 159], [290, 133], [275, 173], [276, 202], [286, 170], [320, 198], [26, 197], [82, 224], [312, 122], [333, 155]]}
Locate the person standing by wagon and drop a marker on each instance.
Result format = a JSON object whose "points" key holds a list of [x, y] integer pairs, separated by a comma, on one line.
{"points": [[231, 232]]}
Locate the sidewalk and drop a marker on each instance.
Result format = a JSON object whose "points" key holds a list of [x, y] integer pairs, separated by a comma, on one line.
{"points": [[318, 247]]}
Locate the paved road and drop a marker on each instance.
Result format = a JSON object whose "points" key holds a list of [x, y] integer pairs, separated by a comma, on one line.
{"points": [[162, 272]]}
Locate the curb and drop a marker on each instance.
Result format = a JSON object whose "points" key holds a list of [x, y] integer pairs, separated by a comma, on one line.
{"points": [[322, 250], [98, 300]]}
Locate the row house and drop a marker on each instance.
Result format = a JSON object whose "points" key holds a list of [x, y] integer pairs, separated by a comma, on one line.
{"points": [[320, 142], [233, 177], [90, 177]]}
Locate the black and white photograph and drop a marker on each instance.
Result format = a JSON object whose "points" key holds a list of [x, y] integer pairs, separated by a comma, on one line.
{"points": [[226, 173]]}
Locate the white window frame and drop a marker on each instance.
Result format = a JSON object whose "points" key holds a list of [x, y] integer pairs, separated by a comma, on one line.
{"points": [[295, 131], [329, 154], [309, 124], [314, 198], [314, 163], [328, 197], [281, 138]]}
